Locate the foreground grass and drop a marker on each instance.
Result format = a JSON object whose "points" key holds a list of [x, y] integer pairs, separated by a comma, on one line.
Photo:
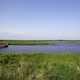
{"points": [[39, 67]]}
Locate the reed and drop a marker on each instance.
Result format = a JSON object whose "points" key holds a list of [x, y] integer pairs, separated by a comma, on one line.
{"points": [[39, 67]]}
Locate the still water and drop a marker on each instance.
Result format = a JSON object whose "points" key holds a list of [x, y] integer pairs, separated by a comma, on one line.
{"points": [[41, 48]]}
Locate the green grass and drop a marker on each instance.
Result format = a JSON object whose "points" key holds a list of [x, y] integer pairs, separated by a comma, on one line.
{"points": [[39, 42], [27, 42], [39, 66]]}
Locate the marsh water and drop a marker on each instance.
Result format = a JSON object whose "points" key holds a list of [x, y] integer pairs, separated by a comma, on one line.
{"points": [[41, 48]]}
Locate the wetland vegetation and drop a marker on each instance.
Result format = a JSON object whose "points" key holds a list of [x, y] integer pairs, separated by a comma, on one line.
{"points": [[63, 66], [40, 67], [39, 42]]}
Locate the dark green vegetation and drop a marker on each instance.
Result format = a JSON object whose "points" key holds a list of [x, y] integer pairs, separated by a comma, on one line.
{"points": [[39, 67], [27, 42], [39, 42]]}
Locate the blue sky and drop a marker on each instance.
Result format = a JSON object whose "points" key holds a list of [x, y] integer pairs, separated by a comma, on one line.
{"points": [[40, 19]]}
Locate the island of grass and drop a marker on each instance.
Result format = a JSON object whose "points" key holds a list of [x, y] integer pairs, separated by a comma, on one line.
{"points": [[39, 67]]}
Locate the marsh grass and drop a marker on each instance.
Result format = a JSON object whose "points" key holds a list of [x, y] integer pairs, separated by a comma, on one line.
{"points": [[39, 42], [39, 67], [27, 42]]}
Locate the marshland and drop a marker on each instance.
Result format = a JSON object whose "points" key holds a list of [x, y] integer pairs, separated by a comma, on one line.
{"points": [[39, 39], [38, 65], [43, 46]]}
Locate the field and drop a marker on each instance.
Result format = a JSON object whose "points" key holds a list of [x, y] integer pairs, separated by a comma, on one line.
{"points": [[39, 42], [39, 67]]}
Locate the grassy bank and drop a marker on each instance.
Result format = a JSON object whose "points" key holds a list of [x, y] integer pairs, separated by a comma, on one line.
{"points": [[39, 42], [27, 42], [39, 67]]}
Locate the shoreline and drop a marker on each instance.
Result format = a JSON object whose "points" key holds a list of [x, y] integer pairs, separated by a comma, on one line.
{"points": [[39, 42]]}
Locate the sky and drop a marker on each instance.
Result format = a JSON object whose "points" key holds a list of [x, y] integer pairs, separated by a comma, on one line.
{"points": [[40, 19]]}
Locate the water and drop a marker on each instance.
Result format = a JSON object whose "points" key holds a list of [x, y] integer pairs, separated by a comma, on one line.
{"points": [[41, 48]]}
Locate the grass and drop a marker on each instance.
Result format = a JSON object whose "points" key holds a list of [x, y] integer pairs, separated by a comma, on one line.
{"points": [[39, 42], [39, 66], [27, 42]]}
